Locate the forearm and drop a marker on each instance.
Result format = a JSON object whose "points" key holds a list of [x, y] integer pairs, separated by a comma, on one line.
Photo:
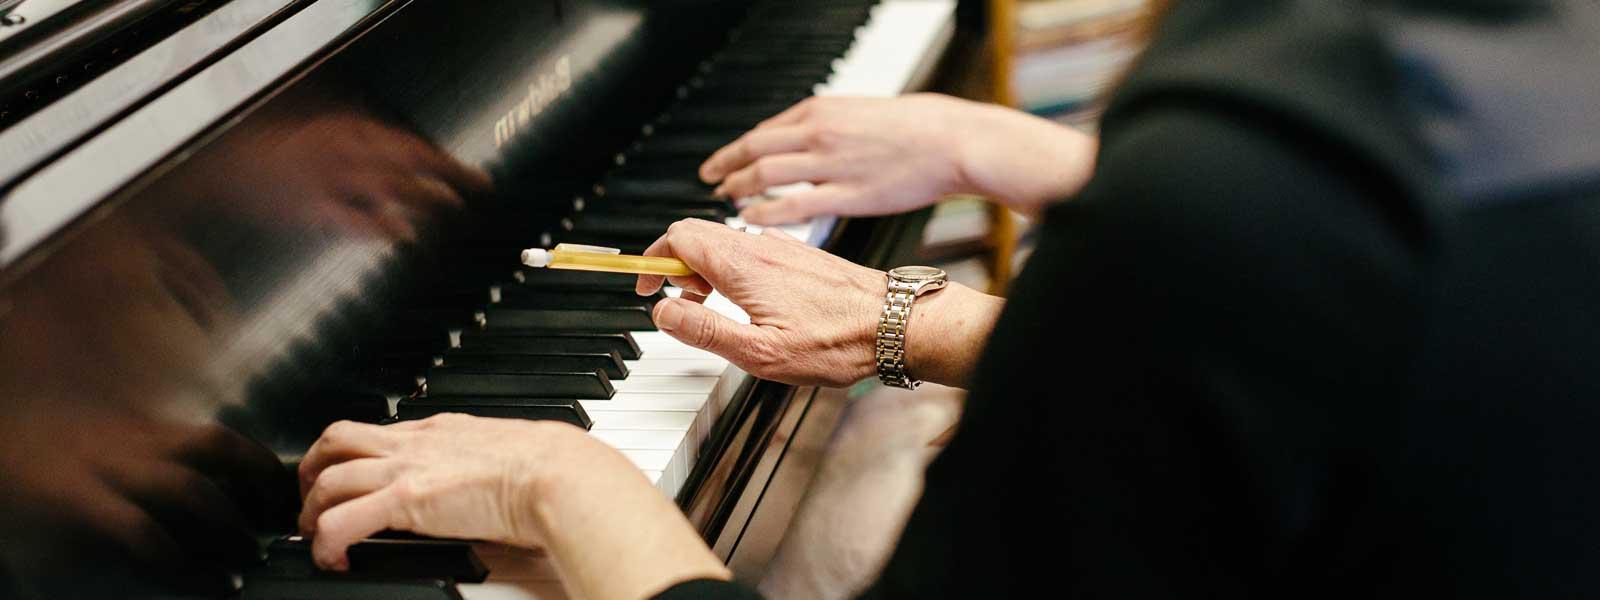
{"points": [[613, 536], [948, 331], [1025, 162]]}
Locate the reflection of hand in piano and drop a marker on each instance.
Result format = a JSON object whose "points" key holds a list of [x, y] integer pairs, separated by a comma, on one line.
{"points": [[813, 315], [342, 167], [882, 156], [178, 501]]}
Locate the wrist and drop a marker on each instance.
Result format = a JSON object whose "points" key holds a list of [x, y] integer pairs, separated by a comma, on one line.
{"points": [[947, 331], [548, 479], [1025, 162]]}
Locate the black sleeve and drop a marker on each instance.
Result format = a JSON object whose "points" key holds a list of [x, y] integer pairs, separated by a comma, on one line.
{"points": [[1151, 415], [708, 589]]}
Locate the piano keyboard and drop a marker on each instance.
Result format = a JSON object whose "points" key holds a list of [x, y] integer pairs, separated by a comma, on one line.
{"points": [[673, 393]]}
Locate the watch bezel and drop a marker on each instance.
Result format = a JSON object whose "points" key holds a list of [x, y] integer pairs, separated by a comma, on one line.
{"points": [[917, 273]]}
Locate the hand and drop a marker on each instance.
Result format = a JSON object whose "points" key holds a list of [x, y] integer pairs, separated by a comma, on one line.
{"points": [[530, 483], [813, 316], [450, 476], [887, 156]]}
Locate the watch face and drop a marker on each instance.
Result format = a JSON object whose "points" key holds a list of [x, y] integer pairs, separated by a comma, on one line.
{"points": [[917, 273]]}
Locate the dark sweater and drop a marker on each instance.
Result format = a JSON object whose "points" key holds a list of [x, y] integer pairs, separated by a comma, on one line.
{"points": [[1326, 323]]}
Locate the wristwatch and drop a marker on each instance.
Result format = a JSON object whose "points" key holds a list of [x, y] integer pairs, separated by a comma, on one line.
{"points": [[905, 285]]}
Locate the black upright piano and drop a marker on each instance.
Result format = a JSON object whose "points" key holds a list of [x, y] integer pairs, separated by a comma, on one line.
{"points": [[226, 224]]}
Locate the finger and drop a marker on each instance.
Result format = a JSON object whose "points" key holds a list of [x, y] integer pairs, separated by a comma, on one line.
{"points": [[341, 483], [779, 234], [708, 330], [344, 441], [797, 207], [693, 297], [342, 526], [771, 171], [692, 283], [751, 147], [687, 243], [791, 115], [650, 284]]}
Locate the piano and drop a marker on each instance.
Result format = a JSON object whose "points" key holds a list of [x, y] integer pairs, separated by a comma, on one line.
{"points": [[226, 224]]}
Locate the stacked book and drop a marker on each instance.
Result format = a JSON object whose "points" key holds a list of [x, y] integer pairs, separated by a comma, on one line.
{"points": [[1070, 53]]}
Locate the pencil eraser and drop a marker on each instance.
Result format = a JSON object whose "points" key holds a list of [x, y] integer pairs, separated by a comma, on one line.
{"points": [[536, 257]]}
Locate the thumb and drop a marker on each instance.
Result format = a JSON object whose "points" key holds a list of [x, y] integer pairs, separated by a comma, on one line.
{"points": [[706, 329]]}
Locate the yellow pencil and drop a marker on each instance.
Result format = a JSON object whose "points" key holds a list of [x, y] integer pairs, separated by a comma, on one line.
{"points": [[578, 257]]}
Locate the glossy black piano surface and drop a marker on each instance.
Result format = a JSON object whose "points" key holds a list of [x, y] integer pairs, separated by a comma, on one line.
{"points": [[170, 348]]}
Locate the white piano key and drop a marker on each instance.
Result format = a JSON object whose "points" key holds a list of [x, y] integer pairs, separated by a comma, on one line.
{"points": [[650, 460], [643, 401], [655, 344], [644, 419], [640, 439], [666, 384], [683, 367], [512, 590]]}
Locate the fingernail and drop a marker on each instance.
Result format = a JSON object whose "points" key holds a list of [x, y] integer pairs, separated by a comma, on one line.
{"points": [[668, 315], [720, 192]]}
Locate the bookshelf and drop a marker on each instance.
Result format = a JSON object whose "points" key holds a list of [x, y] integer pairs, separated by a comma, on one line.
{"points": [[1053, 58]]}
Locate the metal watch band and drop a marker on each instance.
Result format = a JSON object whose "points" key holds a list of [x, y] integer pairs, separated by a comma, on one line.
{"points": [[892, 335]]}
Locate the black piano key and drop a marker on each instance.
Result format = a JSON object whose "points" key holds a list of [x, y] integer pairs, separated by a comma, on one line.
{"points": [[392, 380], [269, 588], [709, 114], [674, 167], [604, 206], [522, 297], [695, 145], [561, 279], [434, 559], [736, 61], [396, 340], [636, 226], [631, 318], [626, 245], [610, 363], [689, 186], [696, 199], [568, 410], [536, 342], [532, 382], [329, 405]]}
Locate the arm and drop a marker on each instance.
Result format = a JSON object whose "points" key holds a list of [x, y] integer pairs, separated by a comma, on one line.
{"points": [[813, 316], [873, 156]]}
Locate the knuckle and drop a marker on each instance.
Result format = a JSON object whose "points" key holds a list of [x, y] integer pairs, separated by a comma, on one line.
{"points": [[337, 433], [332, 476], [705, 333], [408, 490], [760, 171], [762, 356]]}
